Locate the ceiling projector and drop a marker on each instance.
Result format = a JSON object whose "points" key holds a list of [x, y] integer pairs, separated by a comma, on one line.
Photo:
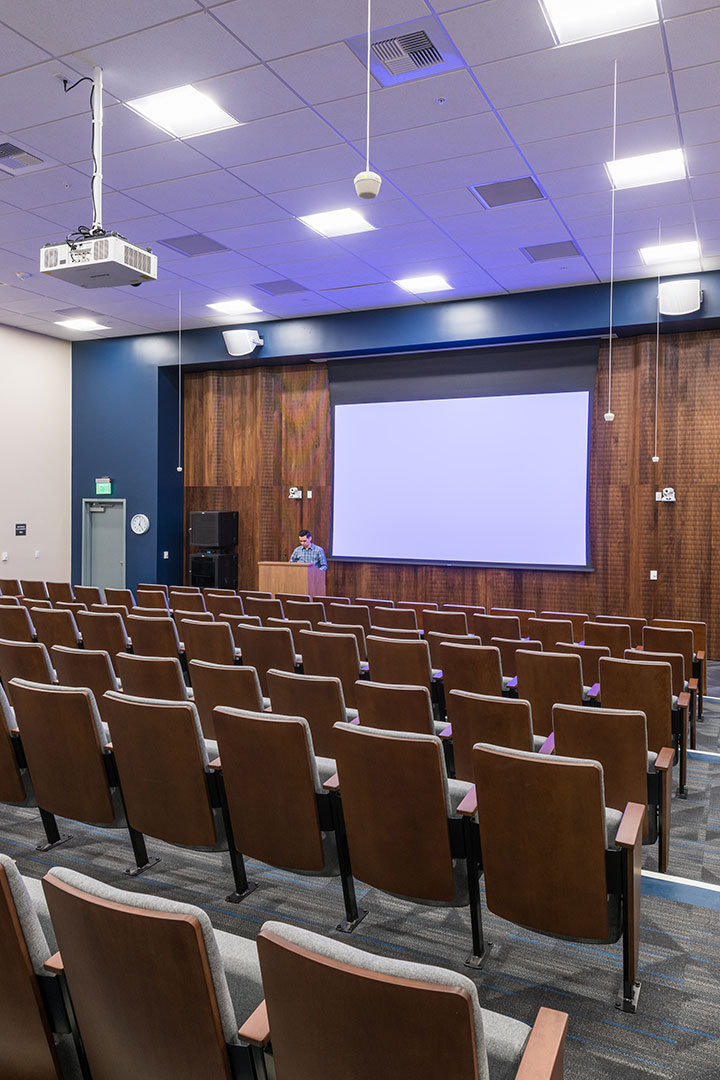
{"points": [[241, 342], [99, 262]]}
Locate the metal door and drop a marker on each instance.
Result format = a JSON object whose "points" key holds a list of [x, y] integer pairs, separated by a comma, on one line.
{"points": [[103, 544]]}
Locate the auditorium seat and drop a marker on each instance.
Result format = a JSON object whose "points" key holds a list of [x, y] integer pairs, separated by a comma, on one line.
{"points": [[296, 597], [104, 631], [404, 662], [151, 612], [303, 833], [392, 618], [589, 658], [404, 832], [700, 634], [238, 621], [59, 590], [265, 647], [151, 677], [485, 718], [355, 614], [10, 587], [245, 593], [197, 616], [37, 590], [120, 596], [263, 607], [87, 594], [293, 625], [154, 636], [70, 763], [31, 1000], [548, 631], [187, 601], [29, 603], [332, 600], [523, 614], [16, 623], [397, 635], [682, 695], [211, 641], [24, 660], [394, 707], [108, 609], [546, 679], [154, 598], [56, 628], [489, 626], [475, 668], [435, 638], [419, 1022], [9, 601], [319, 699], [617, 738], [371, 603], [333, 654], [346, 628], [155, 990], [224, 604], [313, 610], [675, 640], [418, 606], [508, 648], [469, 609], [447, 622], [15, 785], [71, 605], [555, 860], [236, 686], [615, 635], [636, 626], [90, 668], [577, 619]]}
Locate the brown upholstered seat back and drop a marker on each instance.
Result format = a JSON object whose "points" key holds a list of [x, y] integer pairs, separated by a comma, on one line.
{"points": [[482, 718], [523, 614], [546, 679], [151, 676], [223, 684], [12, 788], [30, 604], [392, 618], [671, 640], [55, 627], [617, 738], [394, 708], [578, 620], [15, 623], [187, 601], [356, 614], [700, 635], [394, 804], [469, 609], [396, 633], [645, 687], [64, 750], [675, 660], [196, 616], [355, 629], [296, 596], [9, 601], [418, 606], [393, 661], [212, 641], [10, 587], [88, 594], [448, 622], [35, 590], [162, 769], [542, 832], [153, 636], [490, 626], [155, 598], [59, 590], [589, 658], [636, 625], [103, 631], [318, 699], [548, 631], [615, 635], [435, 638], [120, 596], [263, 607], [27, 1048], [302, 609], [84, 667], [508, 647], [372, 602], [475, 668], [332, 654], [418, 1030], [222, 604], [265, 647], [23, 660], [256, 748], [332, 600], [141, 987], [107, 609]]}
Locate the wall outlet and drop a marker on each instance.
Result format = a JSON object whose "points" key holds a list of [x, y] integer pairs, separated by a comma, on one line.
{"points": [[309, 494], [37, 554], [166, 554], [4, 556], [653, 575], [658, 496]]}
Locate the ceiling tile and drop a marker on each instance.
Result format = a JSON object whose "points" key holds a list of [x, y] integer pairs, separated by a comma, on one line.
{"points": [[459, 172], [151, 164], [188, 192], [303, 170], [273, 137], [700, 126], [496, 29], [230, 215], [324, 74], [698, 87], [251, 94], [69, 140], [693, 39], [47, 187], [36, 96], [437, 142], [16, 51], [595, 147]]}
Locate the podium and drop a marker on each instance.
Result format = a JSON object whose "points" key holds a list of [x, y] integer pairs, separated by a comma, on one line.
{"points": [[287, 577]]}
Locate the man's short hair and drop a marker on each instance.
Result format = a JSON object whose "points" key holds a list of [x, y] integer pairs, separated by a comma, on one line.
{"points": [[305, 532]]}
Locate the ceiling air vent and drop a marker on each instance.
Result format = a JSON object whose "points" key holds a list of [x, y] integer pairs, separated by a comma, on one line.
{"points": [[507, 192], [562, 249], [194, 244], [281, 287], [14, 160], [412, 50]]}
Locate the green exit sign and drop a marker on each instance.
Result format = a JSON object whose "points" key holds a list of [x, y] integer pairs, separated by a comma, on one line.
{"points": [[103, 485]]}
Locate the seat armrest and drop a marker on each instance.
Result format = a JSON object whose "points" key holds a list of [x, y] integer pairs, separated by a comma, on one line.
{"points": [[548, 747], [700, 655], [594, 690], [468, 806], [513, 682], [543, 1054], [664, 759], [109, 748], [332, 783], [215, 764], [14, 731], [692, 684], [683, 700], [54, 964], [630, 829], [446, 732], [256, 1029]]}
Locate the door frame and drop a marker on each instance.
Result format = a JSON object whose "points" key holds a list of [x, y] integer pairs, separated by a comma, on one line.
{"points": [[86, 545]]}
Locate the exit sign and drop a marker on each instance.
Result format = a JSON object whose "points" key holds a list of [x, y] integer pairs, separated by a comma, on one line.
{"points": [[103, 485]]}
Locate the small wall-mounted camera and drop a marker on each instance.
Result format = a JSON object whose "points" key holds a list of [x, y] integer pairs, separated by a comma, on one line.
{"points": [[666, 495], [295, 493]]}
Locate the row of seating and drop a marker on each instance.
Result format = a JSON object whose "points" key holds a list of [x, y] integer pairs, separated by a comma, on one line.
{"points": [[143, 986], [396, 823]]}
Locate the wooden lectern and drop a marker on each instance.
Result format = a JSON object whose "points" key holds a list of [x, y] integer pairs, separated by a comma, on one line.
{"points": [[287, 577]]}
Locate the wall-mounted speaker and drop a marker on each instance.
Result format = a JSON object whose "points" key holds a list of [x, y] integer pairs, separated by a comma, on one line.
{"points": [[213, 528], [680, 297]]}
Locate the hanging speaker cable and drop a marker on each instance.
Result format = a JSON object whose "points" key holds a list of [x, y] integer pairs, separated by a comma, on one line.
{"points": [[180, 462], [610, 415]]}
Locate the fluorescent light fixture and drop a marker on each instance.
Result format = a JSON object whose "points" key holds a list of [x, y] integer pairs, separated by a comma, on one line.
{"points": [[337, 222], [428, 283], [644, 169], [81, 324], [576, 20], [183, 112], [668, 253], [234, 307]]}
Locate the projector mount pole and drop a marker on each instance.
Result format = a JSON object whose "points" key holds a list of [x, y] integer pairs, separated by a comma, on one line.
{"points": [[97, 123]]}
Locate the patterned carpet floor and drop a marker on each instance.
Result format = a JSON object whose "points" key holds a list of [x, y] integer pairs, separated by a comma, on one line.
{"points": [[675, 1033]]}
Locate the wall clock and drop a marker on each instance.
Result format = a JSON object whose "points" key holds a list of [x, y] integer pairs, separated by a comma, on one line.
{"points": [[140, 524]]}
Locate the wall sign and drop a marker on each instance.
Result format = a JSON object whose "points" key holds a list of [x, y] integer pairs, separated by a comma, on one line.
{"points": [[103, 485], [21, 529]]}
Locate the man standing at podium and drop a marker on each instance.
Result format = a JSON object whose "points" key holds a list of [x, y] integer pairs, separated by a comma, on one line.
{"points": [[308, 552]]}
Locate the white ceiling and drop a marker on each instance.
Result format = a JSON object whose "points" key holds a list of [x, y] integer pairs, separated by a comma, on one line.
{"points": [[519, 106]]}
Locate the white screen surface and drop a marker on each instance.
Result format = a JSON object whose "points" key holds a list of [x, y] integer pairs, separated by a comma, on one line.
{"points": [[471, 480]]}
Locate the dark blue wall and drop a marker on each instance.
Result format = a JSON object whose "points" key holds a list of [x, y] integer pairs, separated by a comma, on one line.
{"points": [[125, 403]]}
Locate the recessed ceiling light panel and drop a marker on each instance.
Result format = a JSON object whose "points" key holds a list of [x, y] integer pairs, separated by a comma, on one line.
{"points": [[234, 307], [81, 324], [507, 192], [646, 169], [576, 20], [426, 284], [670, 253], [337, 222], [183, 112]]}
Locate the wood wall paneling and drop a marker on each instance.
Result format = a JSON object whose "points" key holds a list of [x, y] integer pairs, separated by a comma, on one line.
{"points": [[252, 434]]}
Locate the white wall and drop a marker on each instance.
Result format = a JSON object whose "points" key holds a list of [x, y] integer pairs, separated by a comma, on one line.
{"points": [[35, 454]]}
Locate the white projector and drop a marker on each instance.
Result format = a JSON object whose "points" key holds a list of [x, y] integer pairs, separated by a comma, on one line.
{"points": [[98, 262]]}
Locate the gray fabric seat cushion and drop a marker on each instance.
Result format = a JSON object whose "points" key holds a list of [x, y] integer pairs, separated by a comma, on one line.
{"points": [[500, 1040], [37, 896], [24, 898], [225, 952]]}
